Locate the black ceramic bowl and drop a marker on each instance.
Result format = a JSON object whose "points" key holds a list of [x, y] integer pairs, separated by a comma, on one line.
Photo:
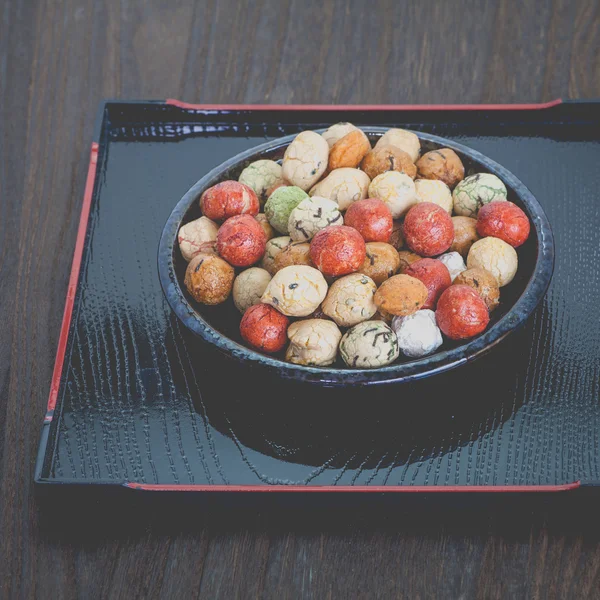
{"points": [[219, 325]]}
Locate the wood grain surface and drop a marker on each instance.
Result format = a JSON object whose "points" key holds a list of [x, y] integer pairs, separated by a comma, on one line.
{"points": [[58, 59]]}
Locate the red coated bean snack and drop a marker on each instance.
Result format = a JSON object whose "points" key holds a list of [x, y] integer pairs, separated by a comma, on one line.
{"points": [[264, 328], [428, 229], [461, 313], [241, 241], [371, 218], [338, 250], [503, 220], [227, 199]]}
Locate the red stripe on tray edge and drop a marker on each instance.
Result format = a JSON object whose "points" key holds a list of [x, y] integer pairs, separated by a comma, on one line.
{"points": [[73, 279], [154, 487], [366, 107]]}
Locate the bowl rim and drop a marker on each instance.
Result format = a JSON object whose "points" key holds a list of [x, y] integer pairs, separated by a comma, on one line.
{"points": [[401, 372]]}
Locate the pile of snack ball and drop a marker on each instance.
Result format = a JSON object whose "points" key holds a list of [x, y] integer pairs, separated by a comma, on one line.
{"points": [[360, 250]]}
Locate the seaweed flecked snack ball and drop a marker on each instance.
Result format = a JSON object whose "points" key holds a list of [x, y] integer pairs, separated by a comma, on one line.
{"points": [[503, 220], [312, 215], [381, 262], [350, 300], [461, 313], [262, 176], [196, 237], [387, 158], [343, 186], [405, 140], [209, 279], [371, 218], [241, 241], [400, 295], [434, 274], [338, 250], [349, 150], [249, 286], [264, 328], [280, 205], [296, 291], [305, 160], [484, 283], [228, 199], [428, 229], [495, 256], [313, 342], [443, 164], [475, 191], [418, 334], [465, 235], [369, 344]]}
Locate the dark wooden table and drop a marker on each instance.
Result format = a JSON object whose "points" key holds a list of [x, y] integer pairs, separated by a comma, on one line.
{"points": [[58, 59]]}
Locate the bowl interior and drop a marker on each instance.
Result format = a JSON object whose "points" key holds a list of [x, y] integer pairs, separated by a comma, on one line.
{"points": [[224, 319]]}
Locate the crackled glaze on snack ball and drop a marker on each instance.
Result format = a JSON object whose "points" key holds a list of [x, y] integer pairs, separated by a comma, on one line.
{"points": [[349, 150], [406, 258], [312, 215], [454, 263], [337, 132], [272, 249], [503, 220], [443, 164], [387, 158], [350, 300], [371, 218], [343, 186], [475, 191], [405, 140], [270, 233], [249, 286], [369, 345], [436, 191], [461, 313], [296, 253], [280, 205], [241, 241], [428, 229], [484, 283], [381, 262], [418, 334], [465, 235], [194, 236], [397, 190], [337, 250], [209, 279], [434, 274], [228, 199], [296, 291], [400, 295], [305, 160], [264, 328], [313, 342], [495, 256], [262, 176]]}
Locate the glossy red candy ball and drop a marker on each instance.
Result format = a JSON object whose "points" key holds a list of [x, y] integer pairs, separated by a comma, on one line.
{"points": [[434, 274], [371, 218], [264, 328], [461, 313], [503, 220], [338, 250], [227, 199], [428, 229], [241, 241]]}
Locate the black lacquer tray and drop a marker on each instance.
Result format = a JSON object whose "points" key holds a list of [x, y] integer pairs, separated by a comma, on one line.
{"points": [[138, 401]]}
